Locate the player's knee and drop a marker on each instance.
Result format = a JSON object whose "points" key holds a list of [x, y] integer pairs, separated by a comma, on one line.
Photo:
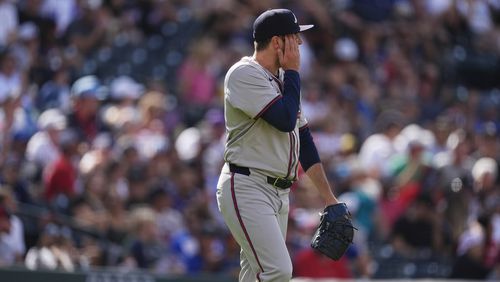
{"points": [[285, 275], [282, 273]]}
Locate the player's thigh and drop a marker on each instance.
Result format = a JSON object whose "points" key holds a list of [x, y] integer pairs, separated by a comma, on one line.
{"points": [[251, 213], [265, 233]]}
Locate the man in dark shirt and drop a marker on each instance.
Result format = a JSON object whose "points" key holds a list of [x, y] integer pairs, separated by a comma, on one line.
{"points": [[87, 93], [417, 229]]}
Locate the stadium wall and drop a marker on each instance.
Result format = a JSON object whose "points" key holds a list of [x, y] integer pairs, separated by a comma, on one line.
{"points": [[107, 275], [115, 275]]}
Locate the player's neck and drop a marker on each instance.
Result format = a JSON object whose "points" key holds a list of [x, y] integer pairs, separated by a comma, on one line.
{"points": [[267, 61]]}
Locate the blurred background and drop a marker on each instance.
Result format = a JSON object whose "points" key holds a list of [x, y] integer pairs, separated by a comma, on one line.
{"points": [[112, 134]]}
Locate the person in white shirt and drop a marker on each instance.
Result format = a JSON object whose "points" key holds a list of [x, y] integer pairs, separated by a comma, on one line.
{"points": [[378, 148], [42, 147]]}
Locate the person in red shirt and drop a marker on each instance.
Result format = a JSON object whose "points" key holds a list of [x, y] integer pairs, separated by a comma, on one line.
{"points": [[5, 224], [312, 264], [309, 263], [60, 177]]}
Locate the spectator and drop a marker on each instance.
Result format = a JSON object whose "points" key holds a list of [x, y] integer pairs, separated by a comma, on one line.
{"points": [[88, 29], [365, 214], [168, 220], [410, 176], [12, 246], [212, 249], [87, 217], [43, 147], [379, 148], [12, 179], [186, 244], [12, 80], [213, 134], [486, 197], [313, 104], [63, 13], [98, 156], [26, 49], [150, 134], [230, 264], [65, 251], [84, 119], [42, 256], [197, 80], [187, 192], [117, 183], [55, 93], [328, 140], [455, 181], [30, 11], [308, 263], [4, 220], [138, 188], [60, 176], [118, 217], [9, 15], [146, 248], [418, 231], [471, 251], [124, 91]]}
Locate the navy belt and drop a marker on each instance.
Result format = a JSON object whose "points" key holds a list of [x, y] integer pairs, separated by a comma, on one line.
{"points": [[277, 182]]}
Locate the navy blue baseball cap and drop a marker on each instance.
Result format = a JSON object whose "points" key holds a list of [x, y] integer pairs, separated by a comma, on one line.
{"points": [[276, 22]]}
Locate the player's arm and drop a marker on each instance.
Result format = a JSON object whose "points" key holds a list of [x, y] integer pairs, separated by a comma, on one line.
{"points": [[282, 114], [311, 163]]}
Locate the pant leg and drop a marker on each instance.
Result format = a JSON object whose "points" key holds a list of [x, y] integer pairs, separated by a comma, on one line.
{"points": [[246, 272], [254, 213], [282, 215]]}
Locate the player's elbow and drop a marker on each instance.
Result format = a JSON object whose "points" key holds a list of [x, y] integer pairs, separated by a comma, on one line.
{"points": [[286, 126]]}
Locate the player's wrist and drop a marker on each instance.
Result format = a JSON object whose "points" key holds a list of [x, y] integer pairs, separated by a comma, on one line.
{"points": [[291, 71], [330, 202], [291, 68]]}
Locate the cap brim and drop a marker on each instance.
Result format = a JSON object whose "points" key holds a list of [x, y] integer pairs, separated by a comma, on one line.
{"points": [[306, 27]]}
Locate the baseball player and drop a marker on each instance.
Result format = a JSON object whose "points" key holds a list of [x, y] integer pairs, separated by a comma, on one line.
{"points": [[267, 138]]}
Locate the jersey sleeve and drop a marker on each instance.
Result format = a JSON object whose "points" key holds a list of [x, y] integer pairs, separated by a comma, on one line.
{"points": [[250, 91]]}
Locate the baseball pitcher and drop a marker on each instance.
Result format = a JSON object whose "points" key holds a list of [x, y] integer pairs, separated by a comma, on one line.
{"points": [[267, 139]]}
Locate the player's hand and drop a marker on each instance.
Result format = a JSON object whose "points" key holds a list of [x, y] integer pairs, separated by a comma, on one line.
{"points": [[288, 53]]}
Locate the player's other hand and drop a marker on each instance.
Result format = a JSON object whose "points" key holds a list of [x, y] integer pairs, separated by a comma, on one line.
{"points": [[288, 51]]}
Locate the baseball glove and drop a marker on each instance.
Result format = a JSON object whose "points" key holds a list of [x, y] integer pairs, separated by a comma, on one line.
{"points": [[335, 231]]}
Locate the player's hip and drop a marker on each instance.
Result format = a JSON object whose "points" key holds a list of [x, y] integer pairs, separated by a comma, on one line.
{"points": [[244, 181], [251, 177], [250, 193]]}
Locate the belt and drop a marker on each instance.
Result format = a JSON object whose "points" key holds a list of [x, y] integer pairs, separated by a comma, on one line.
{"points": [[277, 182]]}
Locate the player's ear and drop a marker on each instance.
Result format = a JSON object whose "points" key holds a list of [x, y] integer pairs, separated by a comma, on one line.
{"points": [[276, 42], [298, 38]]}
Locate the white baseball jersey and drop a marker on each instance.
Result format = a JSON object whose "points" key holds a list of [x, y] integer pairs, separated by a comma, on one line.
{"points": [[249, 89]]}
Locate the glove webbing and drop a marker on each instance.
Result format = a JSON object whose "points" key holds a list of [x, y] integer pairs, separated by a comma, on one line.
{"points": [[332, 232]]}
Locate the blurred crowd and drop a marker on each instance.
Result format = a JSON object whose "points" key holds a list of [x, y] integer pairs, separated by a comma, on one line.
{"points": [[112, 133]]}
